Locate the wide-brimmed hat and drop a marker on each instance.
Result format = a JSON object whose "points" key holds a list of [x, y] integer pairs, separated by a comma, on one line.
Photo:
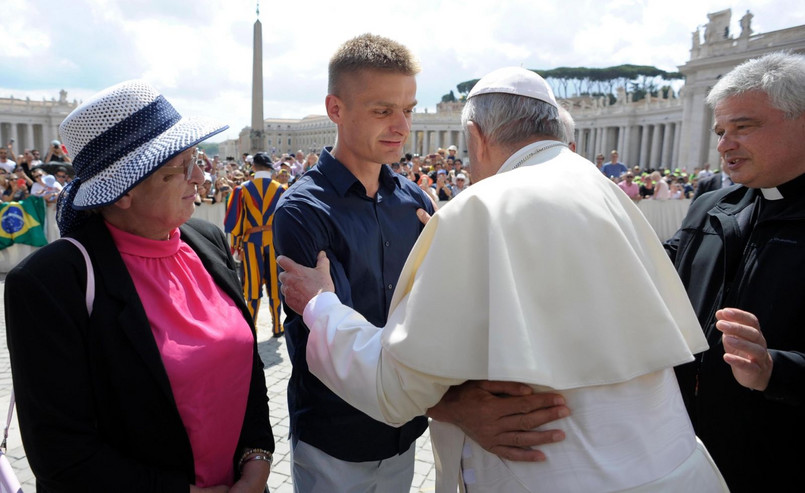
{"points": [[118, 138]]}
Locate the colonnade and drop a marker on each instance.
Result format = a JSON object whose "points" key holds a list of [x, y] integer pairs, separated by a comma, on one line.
{"points": [[26, 136], [649, 145], [424, 141]]}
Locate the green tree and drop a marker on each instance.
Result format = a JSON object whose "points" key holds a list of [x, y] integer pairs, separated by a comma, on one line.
{"points": [[639, 79]]}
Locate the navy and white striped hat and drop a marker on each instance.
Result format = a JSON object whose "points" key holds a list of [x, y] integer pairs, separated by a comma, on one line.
{"points": [[117, 139]]}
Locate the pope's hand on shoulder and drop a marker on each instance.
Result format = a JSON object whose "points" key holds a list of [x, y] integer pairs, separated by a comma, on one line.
{"points": [[745, 348], [299, 284], [423, 215]]}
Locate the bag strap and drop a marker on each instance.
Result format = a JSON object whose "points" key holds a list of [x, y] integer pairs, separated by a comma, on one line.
{"points": [[3, 445], [90, 295], [89, 299]]}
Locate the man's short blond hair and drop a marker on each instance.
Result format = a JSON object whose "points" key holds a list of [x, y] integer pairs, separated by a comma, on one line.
{"points": [[370, 52]]}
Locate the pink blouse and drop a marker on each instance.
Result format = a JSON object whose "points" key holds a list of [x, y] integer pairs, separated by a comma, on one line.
{"points": [[205, 343]]}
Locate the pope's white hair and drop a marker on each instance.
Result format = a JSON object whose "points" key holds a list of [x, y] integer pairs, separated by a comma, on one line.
{"points": [[508, 120], [568, 126]]}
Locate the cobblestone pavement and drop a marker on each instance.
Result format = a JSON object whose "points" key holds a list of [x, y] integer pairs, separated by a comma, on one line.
{"points": [[277, 371]]}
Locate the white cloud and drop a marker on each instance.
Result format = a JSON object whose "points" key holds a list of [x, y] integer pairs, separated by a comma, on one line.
{"points": [[199, 52]]}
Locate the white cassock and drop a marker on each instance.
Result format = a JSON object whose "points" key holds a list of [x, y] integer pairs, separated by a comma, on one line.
{"points": [[546, 274]]}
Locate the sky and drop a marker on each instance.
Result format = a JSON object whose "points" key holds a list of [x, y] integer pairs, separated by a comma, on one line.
{"points": [[198, 53]]}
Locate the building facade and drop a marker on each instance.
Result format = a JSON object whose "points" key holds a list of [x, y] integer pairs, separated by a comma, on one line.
{"points": [[32, 124], [429, 132], [668, 132]]}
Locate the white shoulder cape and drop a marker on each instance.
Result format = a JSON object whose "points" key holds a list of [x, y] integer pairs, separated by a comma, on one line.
{"points": [[547, 274]]}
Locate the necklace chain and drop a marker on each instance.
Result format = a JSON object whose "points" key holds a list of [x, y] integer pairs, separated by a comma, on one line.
{"points": [[534, 153]]}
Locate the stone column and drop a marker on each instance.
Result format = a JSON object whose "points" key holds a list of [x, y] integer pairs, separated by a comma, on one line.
{"points": [[625, 149], [29, 137], [656, 147], [426, 143], [667, 144], [13, 135], [462, 147], [644, 129], [599, 140], [621, 139], [580, 142], [677, 144], [36, 142]]}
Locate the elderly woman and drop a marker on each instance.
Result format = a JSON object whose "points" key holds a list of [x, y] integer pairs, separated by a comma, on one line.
{"points": [[154, 383], [661, 189]]}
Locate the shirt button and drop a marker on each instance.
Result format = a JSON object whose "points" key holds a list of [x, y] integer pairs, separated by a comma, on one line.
{"points": [[387, 243], [390, 287]]}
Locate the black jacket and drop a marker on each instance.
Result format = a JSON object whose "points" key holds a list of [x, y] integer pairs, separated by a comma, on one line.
{"points": [[726, 262], [96, 410], [708, 184]]}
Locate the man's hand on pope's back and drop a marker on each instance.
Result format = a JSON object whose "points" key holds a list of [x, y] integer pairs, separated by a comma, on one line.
{"points": [[300, 284], [501, 417]]}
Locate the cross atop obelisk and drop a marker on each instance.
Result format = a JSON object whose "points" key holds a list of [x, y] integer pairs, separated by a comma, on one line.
{"points": [[257, 135]]}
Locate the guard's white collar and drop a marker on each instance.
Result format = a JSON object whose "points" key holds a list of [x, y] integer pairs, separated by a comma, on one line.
{"points": [[262, 174], [523, 155]]}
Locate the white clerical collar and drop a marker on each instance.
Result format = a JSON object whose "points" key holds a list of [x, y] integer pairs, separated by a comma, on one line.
{"points": [[522, 156], [772, 193], [262, 174]]}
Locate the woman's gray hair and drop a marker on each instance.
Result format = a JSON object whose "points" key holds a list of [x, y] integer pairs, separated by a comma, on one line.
{"points": [[508, 120], [780, 75]]}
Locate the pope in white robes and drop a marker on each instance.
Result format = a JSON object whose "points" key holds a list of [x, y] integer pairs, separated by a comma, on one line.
{"points": [[552, 261]]}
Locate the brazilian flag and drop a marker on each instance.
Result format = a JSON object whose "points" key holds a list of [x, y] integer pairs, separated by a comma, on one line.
{"points": [[23, 222]]}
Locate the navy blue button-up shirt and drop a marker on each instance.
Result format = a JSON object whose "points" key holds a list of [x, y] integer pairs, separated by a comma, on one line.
{"points": [[367, 240]]}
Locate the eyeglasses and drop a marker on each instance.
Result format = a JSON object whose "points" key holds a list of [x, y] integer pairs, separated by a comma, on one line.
{"points": [[61, 175], [187, 167]]}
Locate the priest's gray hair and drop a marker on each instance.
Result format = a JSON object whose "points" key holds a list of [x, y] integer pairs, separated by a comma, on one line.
{"points": [[508, 120], [780, 75]]}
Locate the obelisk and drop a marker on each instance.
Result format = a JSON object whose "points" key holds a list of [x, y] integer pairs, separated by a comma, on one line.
{"points": [[258, 130]]}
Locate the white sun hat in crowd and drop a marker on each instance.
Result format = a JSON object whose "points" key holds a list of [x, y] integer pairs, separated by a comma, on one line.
{"points": [[517, 81], [51, 182], [118, 138]]}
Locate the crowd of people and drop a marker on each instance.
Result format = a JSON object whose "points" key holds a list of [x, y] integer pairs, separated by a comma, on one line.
{"points": [[441, 174], [656, 184], [26, 175], [349, 241]]}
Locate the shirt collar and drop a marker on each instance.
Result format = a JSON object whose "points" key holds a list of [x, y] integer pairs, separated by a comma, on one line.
{"points": [[790, 189], [521, 157], [140, 246], [343, 180]]}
